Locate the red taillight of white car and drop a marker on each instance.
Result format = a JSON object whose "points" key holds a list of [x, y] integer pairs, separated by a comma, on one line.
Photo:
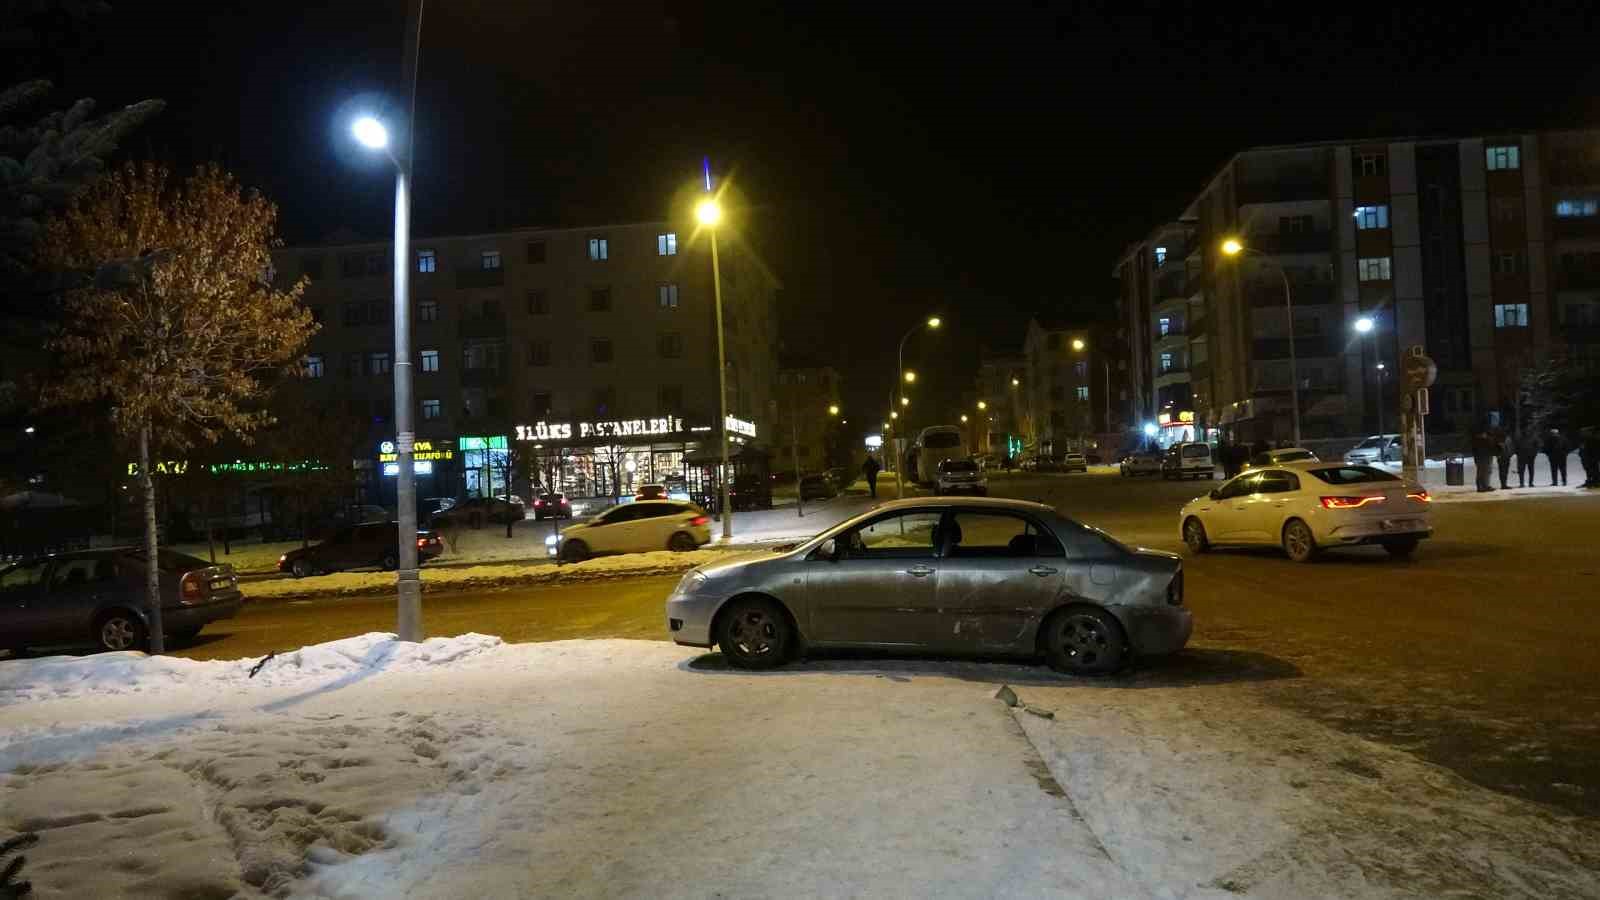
{"points": [[1349, 502], [1420, 495], [697, 521]]}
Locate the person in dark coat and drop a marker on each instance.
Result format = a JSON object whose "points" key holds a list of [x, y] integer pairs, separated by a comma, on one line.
{"points": [[870, 469], [1502, 455], [1483, 457], [1527, 454], [1589, 453], [1556, 449]]}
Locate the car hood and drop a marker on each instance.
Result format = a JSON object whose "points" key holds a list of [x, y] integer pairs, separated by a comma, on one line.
{"points": [[743, 564]]}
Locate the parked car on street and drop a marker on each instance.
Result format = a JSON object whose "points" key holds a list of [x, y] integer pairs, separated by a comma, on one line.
{"points": [[637, 527], [1141, 463], [1307, 507], [372, 545], [650, 492], [98, 597], [972, 576], [961, 476], [1191, 459], [552, 506], [1074, 462], [818, 487], [475, 511], [1279, 457], [1377, 448]]}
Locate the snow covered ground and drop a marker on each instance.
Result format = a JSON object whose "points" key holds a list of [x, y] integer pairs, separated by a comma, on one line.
{"points": [[464, 767]]}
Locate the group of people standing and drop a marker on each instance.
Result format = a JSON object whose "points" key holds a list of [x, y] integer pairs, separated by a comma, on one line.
{"points": [[1234, 456], [1493, 450]]}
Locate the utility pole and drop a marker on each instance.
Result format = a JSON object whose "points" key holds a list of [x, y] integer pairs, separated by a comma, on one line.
{"points": [[409, 584], [794, 447]]}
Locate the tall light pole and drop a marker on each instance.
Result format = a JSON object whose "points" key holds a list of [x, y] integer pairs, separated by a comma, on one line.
{"points": [[709, 214], [899, 380], [1233, 247], [371, 133], [1369, 326]]}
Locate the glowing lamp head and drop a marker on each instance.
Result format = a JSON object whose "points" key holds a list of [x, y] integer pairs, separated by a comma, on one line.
{"points": [[370, 133], [983, 404], [1232, 247], [893, 414], [963, 417], [1077, 343], [934, 322], [833, 410], [1149, 429], [1364, 324], [708, 212], [911, 377], [1015, 382]]}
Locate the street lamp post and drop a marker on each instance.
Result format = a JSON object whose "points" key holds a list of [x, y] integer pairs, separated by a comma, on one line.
{"points": [[1233, 247], [900, 379], [374, 135], [709, 213], [1368, 326]]}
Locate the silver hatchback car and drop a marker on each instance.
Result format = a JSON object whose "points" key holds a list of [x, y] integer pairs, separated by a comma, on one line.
{"points": [[971, 576]]}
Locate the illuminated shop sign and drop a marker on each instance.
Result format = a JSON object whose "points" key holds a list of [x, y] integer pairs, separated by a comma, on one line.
{"points": [[559, 431], [739, 426], [1185, 417], [180, 467], [422, 451], [420, 467]]}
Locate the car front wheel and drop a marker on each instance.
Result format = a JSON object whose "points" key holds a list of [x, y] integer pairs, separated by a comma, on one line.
{"points": [[755, 634], [1194, 536], [1084, 641], [1298, 542], [682, 542], [301, 568], [120, 630], [574, 551]]}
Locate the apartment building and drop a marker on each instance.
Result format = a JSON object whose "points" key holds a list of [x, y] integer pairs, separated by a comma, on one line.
{"points": [[1483, 251], [1156, 314], [595, 349], [1069, 385], [1003, 425], [806, 418]]}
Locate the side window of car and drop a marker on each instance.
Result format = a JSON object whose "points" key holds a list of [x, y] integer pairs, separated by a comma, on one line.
{"points": [[72, 573], [1001, 535], [651, 510], [23, 577], [1278, 483], [907, 535], [620, 515], [1244, 484]]}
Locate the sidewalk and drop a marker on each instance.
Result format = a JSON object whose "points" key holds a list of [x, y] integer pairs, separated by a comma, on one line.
{"points": [[1433, 478]]}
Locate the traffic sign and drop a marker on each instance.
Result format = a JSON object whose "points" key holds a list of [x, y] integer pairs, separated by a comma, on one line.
{"points": [[1419, 369]]}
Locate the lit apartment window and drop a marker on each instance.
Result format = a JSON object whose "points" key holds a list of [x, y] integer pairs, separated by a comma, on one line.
{"points": [[313, 366], [538, 303], [1499, 158], [667, 296], [1368, 217], [489, 260], [1372, 164], [430, 360], [1161, 256], [432, 409], [427, 310], [600, 350], [1511, 315], [1577, 208], [1374, 268], [1166, 362], [667, 244], [378, 364], [1083, 392], [536, 252], [426, 262], [599, 249], [600, 300], [1165, 325]]}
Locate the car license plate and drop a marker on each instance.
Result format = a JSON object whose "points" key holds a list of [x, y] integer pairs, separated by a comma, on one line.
{"points": [[218, 584], [1401, 525]]}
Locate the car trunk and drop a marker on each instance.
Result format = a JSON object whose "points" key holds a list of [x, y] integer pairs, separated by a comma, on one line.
{"points": [[189, 581]]}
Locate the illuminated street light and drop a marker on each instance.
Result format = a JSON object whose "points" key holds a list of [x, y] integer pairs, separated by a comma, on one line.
{"points": [[1149, 429], [833, 410], [901, 376], [1369, 326], [1015, 382], [370, 133], [1234, 247], [911, 378], [1077, 343], [963, 417], [1364, 324], [905, 401], [982, 404], [708, 212], [893, 414], [933, 322]]}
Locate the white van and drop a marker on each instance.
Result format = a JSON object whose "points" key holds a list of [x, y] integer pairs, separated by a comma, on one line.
{"points": [[1191, 459]]}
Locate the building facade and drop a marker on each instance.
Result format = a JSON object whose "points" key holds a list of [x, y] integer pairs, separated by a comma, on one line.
{"points": [[1002, 426], [1069, 385], [1481, 251], [585, 358], [1154, 307], [806, 420]]}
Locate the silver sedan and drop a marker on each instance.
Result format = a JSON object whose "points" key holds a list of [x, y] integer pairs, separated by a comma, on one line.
{"points": [[962, 576]]}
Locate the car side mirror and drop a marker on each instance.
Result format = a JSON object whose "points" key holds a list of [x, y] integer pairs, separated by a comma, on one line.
{"points": [[1216, 494], [829, 550]]}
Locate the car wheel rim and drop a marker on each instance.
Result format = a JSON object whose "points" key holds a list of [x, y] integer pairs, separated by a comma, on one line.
{"points": [[1192, 536], [117, 634], [1083, 642], [1299, 541], [754, 633]]}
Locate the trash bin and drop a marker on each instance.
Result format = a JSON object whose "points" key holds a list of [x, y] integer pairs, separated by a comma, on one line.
{"points": [[1455, 471]]}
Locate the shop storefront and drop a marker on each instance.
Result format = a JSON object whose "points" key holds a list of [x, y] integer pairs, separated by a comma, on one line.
{"points": [[615, 458], [434, 465], [1175, 427]]}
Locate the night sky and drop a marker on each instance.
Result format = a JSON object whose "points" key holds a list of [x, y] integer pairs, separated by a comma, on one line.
{"points": [[984, 161]]}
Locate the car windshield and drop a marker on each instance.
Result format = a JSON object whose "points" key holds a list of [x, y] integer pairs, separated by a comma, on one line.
{"points": [[958, 465], [1372, 443], [1195, 451], [1353, 475], [941, 441], [1292, 455]]}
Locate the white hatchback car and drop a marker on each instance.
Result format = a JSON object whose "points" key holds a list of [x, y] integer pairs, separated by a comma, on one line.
{"points": [[637, 527], [1306, 507]]}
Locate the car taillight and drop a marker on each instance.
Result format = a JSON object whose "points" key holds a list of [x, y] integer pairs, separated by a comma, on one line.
{"points": [[700, 520], [538, 503], [422, 542], [1348, 502], [189, 589], [1420, 495]]}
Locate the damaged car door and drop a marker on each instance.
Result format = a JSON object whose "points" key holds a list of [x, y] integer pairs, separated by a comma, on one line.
{"points": [[998, 571]]}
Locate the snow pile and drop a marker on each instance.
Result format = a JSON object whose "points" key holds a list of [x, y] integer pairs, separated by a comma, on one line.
{"points": [[64, 677]]}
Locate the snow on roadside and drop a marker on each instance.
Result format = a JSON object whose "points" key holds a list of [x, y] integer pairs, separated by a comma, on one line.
{"points": [[131, 672], [661, 562]]}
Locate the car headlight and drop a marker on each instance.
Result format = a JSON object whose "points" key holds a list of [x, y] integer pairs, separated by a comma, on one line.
{"points": [[551, 540], [692, 581]]}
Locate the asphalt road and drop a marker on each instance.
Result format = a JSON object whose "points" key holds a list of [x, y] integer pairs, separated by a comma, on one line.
{"points": [[1481, 655]]}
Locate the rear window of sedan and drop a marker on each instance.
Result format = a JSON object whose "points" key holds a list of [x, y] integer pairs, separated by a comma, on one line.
{"points": [[1195, 451], [958, 465], [1352, 475]]}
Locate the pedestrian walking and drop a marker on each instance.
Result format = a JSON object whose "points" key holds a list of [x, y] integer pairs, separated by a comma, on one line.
{"points": [[1483, 457], [1527, 454], [1589, 455], [1555, 449], [1225, 455], [1502, 455], [870, 469]]}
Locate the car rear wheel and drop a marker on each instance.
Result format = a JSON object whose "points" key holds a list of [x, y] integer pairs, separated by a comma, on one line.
{"points": [[1084, 640], [682, 542], [390, 562], [120, 630], [1401, 548], [1194, 535], [1298, 542], [753, 633], [301, 568], [574, 551]]}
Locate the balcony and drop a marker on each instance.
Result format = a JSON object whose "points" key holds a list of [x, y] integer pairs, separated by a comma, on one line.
{"points": [[1301, 187], [1269, 294], [1278, 242], [492, 326], [1171, 375], [480, 278], [483, 377], [1172, 285], [1304, 347]]}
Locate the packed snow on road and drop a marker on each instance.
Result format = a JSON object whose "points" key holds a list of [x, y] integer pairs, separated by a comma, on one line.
{"points": [[464, 766]]}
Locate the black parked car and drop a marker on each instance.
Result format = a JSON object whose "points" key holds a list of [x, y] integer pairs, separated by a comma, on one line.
{"points": [[98, 597], [474, 511], [818, 487], [375, 544], [552, 506]]}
